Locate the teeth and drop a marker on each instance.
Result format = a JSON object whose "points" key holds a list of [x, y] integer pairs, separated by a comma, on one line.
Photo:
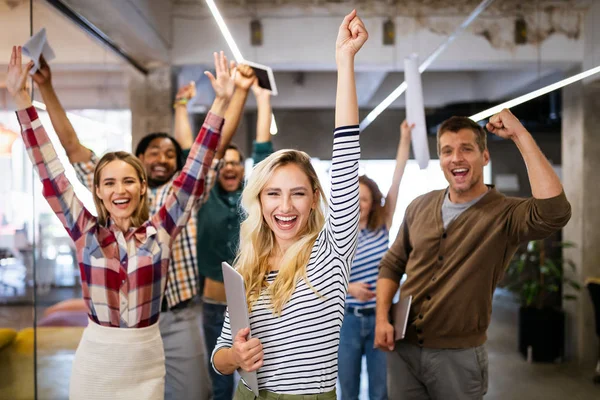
{"points": [[459, 170], [121, 201], [286, 219]]}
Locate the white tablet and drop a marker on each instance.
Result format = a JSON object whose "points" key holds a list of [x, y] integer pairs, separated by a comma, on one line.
{"points": [[237, 306], [266, 79]]}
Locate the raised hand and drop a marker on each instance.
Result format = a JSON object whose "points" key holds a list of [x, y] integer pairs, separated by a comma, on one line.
{"points": [[406, 130], [43, 76], [223, 84], [186, 92], [16, 78], [505, 125], [245, 77], [248, 354], [259, 92], [16, 75], [351, 35]]}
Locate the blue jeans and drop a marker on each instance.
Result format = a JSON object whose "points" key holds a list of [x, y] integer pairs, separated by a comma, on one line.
{"points": [[356, 338], [212, 320]]}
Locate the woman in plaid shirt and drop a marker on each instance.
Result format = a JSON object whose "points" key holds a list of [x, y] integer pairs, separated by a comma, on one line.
{"points": [[123, 253]]}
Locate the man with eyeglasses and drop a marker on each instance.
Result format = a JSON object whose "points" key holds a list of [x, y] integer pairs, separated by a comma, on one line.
{"points": [[219, 230]]}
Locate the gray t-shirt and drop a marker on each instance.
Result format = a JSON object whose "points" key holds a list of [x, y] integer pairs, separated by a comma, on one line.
{"points": [[451, 211]]}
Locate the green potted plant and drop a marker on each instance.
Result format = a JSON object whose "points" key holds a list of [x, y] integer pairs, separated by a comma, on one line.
{"points": [[536, 275]]}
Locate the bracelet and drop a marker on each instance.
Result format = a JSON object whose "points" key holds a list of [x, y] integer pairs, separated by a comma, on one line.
{"points": [[180, 102]]}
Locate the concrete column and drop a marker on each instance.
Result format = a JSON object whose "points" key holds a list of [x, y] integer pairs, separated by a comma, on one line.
{"points": [[581, 163], [151, 103]]}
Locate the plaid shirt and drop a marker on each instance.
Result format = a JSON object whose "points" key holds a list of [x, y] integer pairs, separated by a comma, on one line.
{"points": [[123, 274], [182, 282]]}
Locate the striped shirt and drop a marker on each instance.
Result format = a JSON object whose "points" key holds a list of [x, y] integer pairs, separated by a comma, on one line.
{"points": [[182, 282], [122, 274], [301, 346], [371, 248]]}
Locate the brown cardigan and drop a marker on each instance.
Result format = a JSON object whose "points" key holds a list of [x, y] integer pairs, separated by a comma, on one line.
{"points": [[452, 274]]}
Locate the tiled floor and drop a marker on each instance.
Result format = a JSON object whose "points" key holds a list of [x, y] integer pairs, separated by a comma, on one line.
{"points": [[511, 377]]}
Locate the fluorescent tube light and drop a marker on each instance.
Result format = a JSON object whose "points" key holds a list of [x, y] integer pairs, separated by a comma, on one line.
{"points": [[225, 31], [233, 46], [402, 88], [532, 95]]}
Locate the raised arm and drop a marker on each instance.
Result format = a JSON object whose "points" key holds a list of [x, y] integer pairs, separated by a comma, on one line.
{"points": [[244, 78], [62, 126], [189, 186], [548, 210], [56, 188], [342, 223], [544, 181], [262, 146], [401, 158], [182, 128]]}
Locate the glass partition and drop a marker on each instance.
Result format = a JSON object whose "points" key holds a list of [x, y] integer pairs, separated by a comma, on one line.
{"points": [[41, 310]]}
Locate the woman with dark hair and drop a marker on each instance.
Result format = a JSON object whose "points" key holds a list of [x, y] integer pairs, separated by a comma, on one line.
{"points": [[124, 252], [358, 329]]}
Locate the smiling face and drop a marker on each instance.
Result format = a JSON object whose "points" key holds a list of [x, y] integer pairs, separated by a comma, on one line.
{"points": [[287, 200], [232, 172], [462, 161], [120, 190], [160, 161]]}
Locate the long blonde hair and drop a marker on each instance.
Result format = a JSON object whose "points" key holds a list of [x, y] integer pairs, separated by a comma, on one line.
{"points": [[142, 212], [257, 239]]}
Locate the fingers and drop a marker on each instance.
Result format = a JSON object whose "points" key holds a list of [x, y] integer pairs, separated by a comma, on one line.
{"points": [[25, 72], [256, 366], [357, 26], [242, 333], [389, 336], [210, 76], [217, 63], [19, 56], [13, 56], [224, 62], [347, 19]]}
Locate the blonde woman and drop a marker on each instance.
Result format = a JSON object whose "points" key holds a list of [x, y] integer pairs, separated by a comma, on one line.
{"points": [[123, 253], [296, 263]]}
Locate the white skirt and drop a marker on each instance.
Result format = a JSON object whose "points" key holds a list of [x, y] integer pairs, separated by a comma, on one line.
{"points": [[118, 363]]}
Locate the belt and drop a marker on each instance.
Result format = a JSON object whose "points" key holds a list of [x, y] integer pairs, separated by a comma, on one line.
{"points": [[179, 306], [361, 312]]}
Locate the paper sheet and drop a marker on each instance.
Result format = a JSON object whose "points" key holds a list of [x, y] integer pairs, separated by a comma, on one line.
{"points": [[415, 110], [36, 46]]}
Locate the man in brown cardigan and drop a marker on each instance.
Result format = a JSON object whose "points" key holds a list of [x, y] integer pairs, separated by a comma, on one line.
{"points": [[454, 246]]}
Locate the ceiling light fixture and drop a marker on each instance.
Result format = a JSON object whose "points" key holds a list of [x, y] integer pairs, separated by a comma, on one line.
{"points": [[400, 89], [532, 95], [233, 46]]}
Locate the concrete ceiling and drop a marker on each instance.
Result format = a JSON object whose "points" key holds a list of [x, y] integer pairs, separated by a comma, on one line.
{"points": [[483, 64]]}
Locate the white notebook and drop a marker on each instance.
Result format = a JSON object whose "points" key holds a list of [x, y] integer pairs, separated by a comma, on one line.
{"points": [[237, 306]]}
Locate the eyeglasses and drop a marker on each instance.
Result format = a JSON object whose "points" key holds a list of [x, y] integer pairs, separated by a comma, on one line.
{"points": [[232, 164]]}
